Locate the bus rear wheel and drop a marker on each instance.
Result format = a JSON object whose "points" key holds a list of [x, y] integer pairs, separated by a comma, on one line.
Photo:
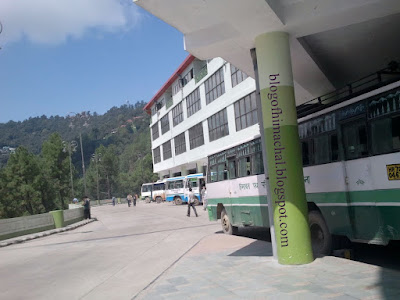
{"points": [[226, 224], [321, 239], [147, 200], [178, 201], [158, 199]]}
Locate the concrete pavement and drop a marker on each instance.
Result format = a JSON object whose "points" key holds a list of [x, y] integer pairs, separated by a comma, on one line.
{"points": [[234, 267], [155, 252]]}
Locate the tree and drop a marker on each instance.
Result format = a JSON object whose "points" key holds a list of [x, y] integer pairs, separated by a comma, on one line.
{"points": [[20, 186], [109, 167], [56, 167]]}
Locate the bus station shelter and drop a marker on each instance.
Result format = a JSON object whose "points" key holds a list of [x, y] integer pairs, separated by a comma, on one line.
{"points": [[296, 50]]}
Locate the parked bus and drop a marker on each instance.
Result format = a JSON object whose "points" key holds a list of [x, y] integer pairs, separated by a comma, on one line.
{"points": [[159, 191], [147, 192], [175, 189], [195, 182], [351, 160]]}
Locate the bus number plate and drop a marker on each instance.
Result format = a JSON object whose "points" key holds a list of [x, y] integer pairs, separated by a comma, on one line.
{"points": [[393, 172]]}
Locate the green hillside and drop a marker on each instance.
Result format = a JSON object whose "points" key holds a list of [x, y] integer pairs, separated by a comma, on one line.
{"points": [[37, 177]]}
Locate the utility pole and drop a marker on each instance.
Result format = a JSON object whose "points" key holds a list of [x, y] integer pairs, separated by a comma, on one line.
{"points": [[83, 163]]}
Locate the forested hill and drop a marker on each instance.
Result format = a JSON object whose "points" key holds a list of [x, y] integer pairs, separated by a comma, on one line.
{"points": [[117, 158], [116, 126]]}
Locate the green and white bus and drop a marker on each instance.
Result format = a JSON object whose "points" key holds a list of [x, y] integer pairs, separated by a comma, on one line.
{"points": [[351, 159]]}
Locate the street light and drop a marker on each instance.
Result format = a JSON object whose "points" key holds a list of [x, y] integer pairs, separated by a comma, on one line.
{"points": [[85, 117], [96, 158], [70, 147]]}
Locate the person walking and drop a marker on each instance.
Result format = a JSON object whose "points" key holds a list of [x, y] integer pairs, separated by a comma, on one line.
{"points": [[134, 199], [191, 203], [129, 198], [204, 197], [86, 207], [113, 201]]}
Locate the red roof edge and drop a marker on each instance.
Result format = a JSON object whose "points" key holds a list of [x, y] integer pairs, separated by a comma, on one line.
{"points": [[188, 60]]}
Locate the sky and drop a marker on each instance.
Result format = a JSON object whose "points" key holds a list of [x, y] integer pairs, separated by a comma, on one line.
{"points": [[63, 56]]}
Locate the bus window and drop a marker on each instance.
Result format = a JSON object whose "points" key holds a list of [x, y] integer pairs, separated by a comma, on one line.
{"points": [[321, 149], [244, 167], [179, 184], [193, 183], [306, 152], [334, 147], [258, 166], [213, 174], [385, 135], [355, 139], [221, 172], [232, 168]]}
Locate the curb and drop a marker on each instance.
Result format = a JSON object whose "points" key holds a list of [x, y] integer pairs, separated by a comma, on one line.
{"points": [[33, 236]]}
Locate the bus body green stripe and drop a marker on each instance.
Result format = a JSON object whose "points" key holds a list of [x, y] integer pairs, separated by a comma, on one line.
{"points": [[364, 215]]}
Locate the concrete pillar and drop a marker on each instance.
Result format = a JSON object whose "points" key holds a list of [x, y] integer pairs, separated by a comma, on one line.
{"points": [[183, 171], [279, 119], [58, 217]]}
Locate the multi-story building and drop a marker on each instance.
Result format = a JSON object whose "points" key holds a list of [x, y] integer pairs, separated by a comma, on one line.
{"points": [[203, 108]]}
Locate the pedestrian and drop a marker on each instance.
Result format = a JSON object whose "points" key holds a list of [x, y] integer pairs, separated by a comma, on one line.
{"points": [[75, 200], [86, 207], [204, 197], [191, 203], [129, 198], [113, 201], [134, 199]]}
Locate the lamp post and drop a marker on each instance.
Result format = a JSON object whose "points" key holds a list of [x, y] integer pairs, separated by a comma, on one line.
{"points": [[80, 116], [96, 158], [70, 147]]}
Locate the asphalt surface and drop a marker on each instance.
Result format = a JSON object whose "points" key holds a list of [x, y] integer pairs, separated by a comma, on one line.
{"points": [[153, 251]]}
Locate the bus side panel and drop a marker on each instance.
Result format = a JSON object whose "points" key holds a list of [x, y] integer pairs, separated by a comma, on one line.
{"points": [[386, 196], [218, 194], [249, 201], [363, 210], [326, 187]]}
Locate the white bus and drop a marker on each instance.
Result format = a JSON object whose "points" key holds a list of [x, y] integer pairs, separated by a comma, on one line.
{"points": [[351, 160], [159, 191], [174, 190], [195, 182], [147, 192], [153, 191]]}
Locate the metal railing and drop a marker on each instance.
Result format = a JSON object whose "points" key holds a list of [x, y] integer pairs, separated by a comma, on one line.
{"points": [[351, 90]]}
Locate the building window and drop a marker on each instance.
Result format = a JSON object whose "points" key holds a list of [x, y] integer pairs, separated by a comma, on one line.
{"points": [[196, 136], [237, 76], [177, 114], [157, 155], [193, 102], [215, 86], [246, 112], [180, 144], [154, 131], [187, 77], [167, 153], [176, 87], [218, 125], [164, 124]]}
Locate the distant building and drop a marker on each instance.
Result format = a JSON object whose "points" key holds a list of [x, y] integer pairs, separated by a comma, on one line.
{"points": [[203, 108]]}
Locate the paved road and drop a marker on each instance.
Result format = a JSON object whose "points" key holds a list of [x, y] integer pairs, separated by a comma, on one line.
{"points": [[113, 258]]}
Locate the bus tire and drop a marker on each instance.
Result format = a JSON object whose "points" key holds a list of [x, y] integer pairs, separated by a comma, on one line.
{"points": [[321, 239], [147, 200], [227, 227], [158, 199], [178, 201], [196, 201]]}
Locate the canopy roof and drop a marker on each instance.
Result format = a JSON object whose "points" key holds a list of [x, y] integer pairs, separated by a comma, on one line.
{"points": [[333, 42]]}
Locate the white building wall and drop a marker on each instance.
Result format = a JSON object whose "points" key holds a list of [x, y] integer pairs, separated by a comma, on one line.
{"points": [[198, 156]]}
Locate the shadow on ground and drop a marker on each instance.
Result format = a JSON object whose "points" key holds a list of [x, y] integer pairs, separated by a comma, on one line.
{"points": [[256, 248]]}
